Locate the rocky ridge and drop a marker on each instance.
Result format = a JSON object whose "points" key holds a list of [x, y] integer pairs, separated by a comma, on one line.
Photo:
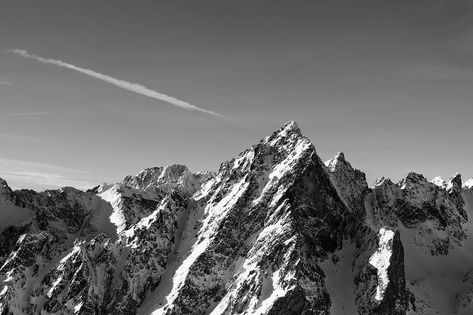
{"points": [[274, 231]]}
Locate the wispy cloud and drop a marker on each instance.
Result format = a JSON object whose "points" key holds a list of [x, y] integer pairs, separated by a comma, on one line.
{"points": [[5, 82], [27, 174], [134, 87], [29, 114]]}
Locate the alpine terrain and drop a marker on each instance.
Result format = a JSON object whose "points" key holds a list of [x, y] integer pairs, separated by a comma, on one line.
{"points": [[275, 231]]}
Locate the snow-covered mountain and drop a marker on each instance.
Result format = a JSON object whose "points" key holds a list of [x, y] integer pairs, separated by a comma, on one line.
{"points": [[274, 231]]}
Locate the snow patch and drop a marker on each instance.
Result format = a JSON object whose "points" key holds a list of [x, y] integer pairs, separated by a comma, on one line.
{"points": [[288, 164], [78, 307], [213, 216], [381, 260], [114, 198], [468, 184], [55, 283], [439, 181], [332, 163]]}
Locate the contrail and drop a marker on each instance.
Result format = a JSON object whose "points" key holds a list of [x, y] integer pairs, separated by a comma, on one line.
{"points": [[134, 87]]}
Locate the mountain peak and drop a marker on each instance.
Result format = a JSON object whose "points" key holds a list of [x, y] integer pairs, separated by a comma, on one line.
{"points": [[5, 190], [289, 130], [455, 181], [380, 181], [3, 184], [468, 184], [439, 181], [334, 162], [412, 178], [351, 183], [291, 125]]}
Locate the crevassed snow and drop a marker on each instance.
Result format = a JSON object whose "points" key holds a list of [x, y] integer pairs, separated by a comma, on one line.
{"points": [[380, 260]]}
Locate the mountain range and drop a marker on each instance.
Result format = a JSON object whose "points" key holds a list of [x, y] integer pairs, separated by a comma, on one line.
{"points": [[276, 231]]}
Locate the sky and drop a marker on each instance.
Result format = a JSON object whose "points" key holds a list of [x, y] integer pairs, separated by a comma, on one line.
{"points": [[92, 91]]}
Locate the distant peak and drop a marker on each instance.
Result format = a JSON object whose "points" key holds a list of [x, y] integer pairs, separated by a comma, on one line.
{"points": [[340, 156], [4, 188], [151, 170], [455, 182], [456, 178], [439, 181], [175, 169], [468, 184], [3, 183], [414, 177], [382, 181]]}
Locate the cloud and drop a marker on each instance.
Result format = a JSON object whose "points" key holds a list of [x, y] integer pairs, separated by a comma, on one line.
{"points": [[134, 87], [5, 82], [26, 174]]}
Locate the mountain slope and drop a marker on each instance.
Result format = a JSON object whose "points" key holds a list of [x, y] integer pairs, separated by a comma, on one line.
{"points": [[274, 231]]}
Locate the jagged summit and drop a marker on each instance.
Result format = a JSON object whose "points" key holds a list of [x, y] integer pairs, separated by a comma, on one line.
{"points": [[274, 231], [381, 181], [5, 190], [350, 183], [289, 131], [290, 126], [336, 160], [165, 179], [455, 182], [412, 178], [468, 184], [439, 181]]}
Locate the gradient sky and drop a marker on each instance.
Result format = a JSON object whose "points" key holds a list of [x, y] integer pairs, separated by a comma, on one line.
{"points": [[389, 83]]}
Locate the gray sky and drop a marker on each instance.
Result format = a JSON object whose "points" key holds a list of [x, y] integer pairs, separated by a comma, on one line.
{"points": [[390, 83]]}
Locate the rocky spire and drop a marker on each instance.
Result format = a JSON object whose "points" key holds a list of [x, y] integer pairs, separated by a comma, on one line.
{"points": [[351, 183], [454, 189], [5, 190], [468, 184]]}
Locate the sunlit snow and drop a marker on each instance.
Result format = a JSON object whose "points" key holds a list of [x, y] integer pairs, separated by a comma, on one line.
{"points": [[380, 260]]}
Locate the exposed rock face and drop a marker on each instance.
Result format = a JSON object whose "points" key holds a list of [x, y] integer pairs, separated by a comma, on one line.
{"points": [[274, 231], [350, 183]]}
